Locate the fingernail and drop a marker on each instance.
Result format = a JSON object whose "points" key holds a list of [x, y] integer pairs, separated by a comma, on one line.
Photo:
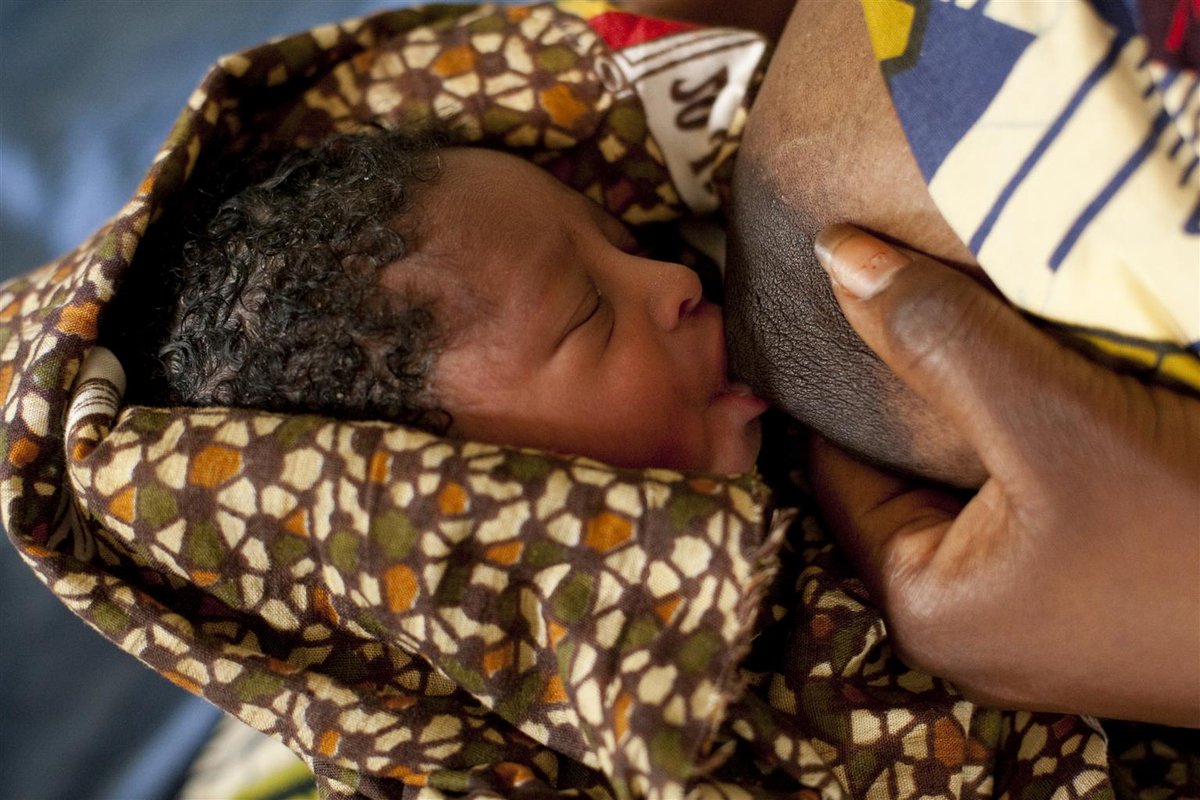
{"points": [[858, 262]]}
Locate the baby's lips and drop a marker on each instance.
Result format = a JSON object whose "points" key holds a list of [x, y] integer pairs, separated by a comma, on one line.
{"points": [[743, 395], [737, 429]]}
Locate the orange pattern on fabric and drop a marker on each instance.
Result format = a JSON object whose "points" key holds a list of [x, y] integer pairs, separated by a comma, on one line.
{"points": [[82, 449], [401, 585], [554, 692], [78, 319], [606, 531], [378, 471], [948, 743], [506, 553], [498, 658], [452, 500], [409, 776], [399, 702], [297, 523], [324, 605], [562, 106], [364, 61], [454, 61], [514, 774], [185, 683], [203, 577], [11, 310], [121, 506], [63, 271], [621, 714], [328, 743], [214, 465], [6, 376], [666, 609], [22, 451], [557, 632], [281, 667]]}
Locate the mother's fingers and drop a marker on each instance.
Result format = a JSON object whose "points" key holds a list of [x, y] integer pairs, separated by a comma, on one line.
{"points": [[941, 571], [889, 527]]}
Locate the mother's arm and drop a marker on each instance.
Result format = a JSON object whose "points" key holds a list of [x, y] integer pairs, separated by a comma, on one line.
{"points": [[1072, 580]]}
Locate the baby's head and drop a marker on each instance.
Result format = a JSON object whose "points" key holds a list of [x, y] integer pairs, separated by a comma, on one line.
{"points": [[462, 291]]}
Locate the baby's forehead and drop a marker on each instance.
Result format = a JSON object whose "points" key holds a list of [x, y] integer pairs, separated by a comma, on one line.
{"points": [[490, 190], [491, 237], [444, 276]]}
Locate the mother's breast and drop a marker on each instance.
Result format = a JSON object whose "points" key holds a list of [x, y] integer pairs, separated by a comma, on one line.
{"points": [[824, 145]]}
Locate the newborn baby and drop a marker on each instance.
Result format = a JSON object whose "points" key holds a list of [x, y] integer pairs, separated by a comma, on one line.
{"points": [[463, 291]]}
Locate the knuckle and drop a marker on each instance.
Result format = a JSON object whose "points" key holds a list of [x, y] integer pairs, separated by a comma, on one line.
{"points": [[931, 634], [917, 625]]}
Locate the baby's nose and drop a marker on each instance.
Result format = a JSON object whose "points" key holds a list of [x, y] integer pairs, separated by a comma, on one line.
{"points": [[676, 295]]}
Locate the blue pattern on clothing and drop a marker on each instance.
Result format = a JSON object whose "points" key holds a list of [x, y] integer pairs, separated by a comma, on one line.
{"points": [[981, 56]]}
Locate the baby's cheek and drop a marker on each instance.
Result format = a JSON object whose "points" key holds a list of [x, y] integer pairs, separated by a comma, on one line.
{"points": [[681, 437]]}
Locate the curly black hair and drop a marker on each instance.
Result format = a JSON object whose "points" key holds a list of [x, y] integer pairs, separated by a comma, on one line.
{"points": [[279, 303]]}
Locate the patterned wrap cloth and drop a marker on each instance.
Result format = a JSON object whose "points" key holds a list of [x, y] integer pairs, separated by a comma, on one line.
{"points": [[426, 618], [1069, 161]]}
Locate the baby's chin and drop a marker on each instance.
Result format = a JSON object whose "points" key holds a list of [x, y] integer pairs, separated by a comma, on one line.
{"points": [[740, 453]]}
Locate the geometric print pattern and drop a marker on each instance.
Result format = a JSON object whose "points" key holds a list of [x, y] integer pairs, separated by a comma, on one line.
{"points": [[421, 617], [308, 558]]}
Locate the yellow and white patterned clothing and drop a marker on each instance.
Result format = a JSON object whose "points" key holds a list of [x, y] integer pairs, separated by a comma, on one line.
{"points": [[1059, 139]]}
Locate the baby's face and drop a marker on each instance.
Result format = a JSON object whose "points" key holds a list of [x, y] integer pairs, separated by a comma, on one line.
{"points": [[564, 338]]}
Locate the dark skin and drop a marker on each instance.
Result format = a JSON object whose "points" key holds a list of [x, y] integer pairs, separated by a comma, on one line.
{"points": [[823, 146], [839, 155], [1071, 580]]}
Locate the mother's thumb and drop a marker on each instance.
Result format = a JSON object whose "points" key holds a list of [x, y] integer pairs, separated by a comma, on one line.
{"points": [[961, 348]]}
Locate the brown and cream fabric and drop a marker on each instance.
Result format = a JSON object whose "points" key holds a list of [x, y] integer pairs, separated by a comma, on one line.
{"points": [[425, 618]]}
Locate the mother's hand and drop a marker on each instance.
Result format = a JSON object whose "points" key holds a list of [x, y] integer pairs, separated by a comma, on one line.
{"points": [[1071, 580]]}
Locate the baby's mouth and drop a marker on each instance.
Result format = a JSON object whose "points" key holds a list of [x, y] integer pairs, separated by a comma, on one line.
{"points": [[734, 388], [742, 394]]}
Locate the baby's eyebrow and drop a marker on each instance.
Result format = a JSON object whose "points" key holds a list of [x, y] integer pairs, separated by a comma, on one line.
{"points": [[625, 236], [610, 224]]}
